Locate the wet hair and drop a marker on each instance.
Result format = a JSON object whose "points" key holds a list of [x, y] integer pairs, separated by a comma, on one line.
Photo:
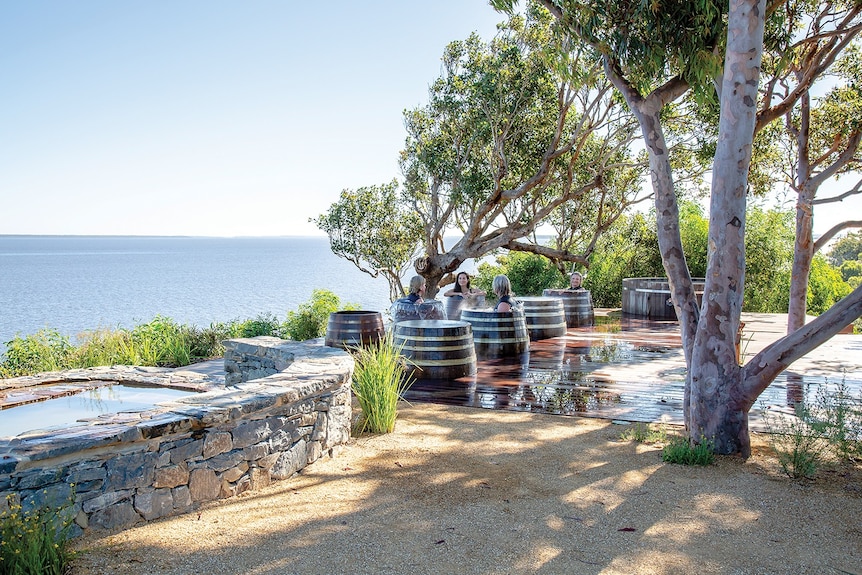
{"points": [[457, 287], [502, 286], [416, 283]]}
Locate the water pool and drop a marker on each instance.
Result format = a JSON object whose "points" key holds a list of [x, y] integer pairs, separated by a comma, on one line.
{"points": [[90, 403]]}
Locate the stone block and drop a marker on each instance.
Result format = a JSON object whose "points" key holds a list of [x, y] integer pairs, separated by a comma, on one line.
{"points": [[130, 471], [105, 500], [259, 478], [315, 450], [120, 514], [233, 475], [36, 478], [56, 495], [225, 461], [182, 498], [254, 452], [190, 450], [204, 485], [290, 461], [250, 433], [155, 504], [217, 442], [171, 476]]}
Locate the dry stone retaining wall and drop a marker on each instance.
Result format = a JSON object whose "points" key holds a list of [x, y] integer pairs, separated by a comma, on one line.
{"points": [[285, 405]]}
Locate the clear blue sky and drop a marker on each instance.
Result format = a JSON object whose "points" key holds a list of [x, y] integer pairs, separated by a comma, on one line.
{"points": [[214, 117], [210, 117]]}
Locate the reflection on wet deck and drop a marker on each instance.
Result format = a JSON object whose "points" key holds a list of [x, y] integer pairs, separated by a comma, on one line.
{"points": [[622, 368]]}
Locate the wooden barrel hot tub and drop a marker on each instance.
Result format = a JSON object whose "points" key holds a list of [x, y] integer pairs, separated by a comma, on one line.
{"points": [[650, 297], [437, 349], [578, 305], [498, 333], [353, 328], [404, 310], [545, 317], [455, 304]]}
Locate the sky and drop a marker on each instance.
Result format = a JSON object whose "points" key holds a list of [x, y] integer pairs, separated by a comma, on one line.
{"points": [[214, 117]]}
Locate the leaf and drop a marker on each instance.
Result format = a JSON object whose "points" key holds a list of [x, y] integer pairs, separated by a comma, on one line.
{"points": [[627, 529]]}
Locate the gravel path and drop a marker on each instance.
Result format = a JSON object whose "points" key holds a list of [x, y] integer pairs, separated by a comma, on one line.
{"points": [[460, 490]]}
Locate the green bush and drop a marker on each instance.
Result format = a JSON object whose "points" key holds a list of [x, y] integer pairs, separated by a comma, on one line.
{"points": [[528, 273], [799, 448], [309, 321], [35, 542], [46, 350], [379, 381], [680, 450]]}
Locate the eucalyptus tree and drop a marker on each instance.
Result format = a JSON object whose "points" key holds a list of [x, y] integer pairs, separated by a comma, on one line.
{"points": [[823, 144], [656, 52], [516, 135], [369, 227]]}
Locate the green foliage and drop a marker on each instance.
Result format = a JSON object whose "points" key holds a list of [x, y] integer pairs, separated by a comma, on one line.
{"points": [[680, 450], [371, 228], [309, 321], [846, 249], [825, 286], [645, 433], [34, 542], [837, 416], [528, 273], [379, 381], [628, 249], [769, 237], [46, 350], [800, 449]]}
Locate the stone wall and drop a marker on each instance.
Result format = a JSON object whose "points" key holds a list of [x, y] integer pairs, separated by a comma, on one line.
{"points": [[287, 404]]}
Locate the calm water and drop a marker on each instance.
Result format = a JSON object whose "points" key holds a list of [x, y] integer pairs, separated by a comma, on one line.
{"points": [[77, 283], [64, 411]]}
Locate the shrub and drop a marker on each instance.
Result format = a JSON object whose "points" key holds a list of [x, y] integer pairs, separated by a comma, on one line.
{"points": [[799, 448], [837, 417], [35, 542], [680, 450], [46, 350], [309, 321], [379, 380]]}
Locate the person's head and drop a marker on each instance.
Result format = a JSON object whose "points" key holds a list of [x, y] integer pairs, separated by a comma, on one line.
{"points": [[502, 286], [576, 279], [417, 285], [462, 282]]}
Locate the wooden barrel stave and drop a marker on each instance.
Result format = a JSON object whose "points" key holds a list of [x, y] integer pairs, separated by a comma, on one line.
{"points": [[498, 334], [578, 305], [436, 349], [545, 317]]}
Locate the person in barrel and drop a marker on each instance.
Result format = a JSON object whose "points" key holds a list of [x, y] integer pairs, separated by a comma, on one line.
{"points": [[462, 287], [417, 290], [576, 282], [503, 291]]}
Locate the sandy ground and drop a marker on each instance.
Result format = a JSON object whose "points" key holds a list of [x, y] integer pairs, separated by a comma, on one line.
{"points": [[461, 490]]}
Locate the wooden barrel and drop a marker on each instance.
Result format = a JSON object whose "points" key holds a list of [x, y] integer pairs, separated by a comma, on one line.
{"points": [[498, 333], [545, 317], [650, 297], [578, 305], [353, 328], [437, 349]]}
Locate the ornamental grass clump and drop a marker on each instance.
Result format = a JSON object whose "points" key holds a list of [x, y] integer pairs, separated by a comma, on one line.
{"points": [[380, 379], [34, 542]]}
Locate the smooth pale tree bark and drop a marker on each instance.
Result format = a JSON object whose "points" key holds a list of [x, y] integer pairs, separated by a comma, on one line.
{"points": [[719, 392]]}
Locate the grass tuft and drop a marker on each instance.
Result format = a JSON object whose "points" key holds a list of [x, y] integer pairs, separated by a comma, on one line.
{"points": [[379, 381]]}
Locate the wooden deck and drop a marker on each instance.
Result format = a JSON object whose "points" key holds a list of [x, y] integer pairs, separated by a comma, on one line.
{"points": [[631, 369]]}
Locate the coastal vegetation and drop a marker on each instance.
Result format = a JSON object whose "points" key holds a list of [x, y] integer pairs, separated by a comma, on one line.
{"points": [[161, 341], [35, 540]]}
